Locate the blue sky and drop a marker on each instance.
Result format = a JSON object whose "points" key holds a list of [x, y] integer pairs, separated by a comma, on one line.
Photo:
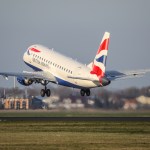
{"points": [[75, 28]]}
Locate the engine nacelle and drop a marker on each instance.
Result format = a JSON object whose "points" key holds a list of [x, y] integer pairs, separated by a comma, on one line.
{"points": [[24, 81], [104, 81]]}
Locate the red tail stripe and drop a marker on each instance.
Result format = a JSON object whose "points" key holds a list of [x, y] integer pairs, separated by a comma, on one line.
{"points": [[103, 46], [96, 70]]}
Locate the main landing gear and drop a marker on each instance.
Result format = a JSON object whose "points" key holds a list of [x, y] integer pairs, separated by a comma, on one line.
{"points": [[85, 91], [45, 91]]}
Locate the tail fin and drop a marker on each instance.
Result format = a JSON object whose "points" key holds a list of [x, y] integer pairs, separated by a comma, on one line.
{"points": [[99, 62]]}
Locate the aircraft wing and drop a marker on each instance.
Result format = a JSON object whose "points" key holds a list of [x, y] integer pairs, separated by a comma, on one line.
{"points": [[31, 75], [115, 75]]}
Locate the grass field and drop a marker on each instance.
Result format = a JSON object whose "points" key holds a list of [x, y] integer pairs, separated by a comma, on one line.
{"points": [[76, 113], [74, 135]]}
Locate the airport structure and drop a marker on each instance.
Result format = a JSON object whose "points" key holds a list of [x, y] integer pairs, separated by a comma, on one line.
{"points": [[13, 103], [16, 103]]}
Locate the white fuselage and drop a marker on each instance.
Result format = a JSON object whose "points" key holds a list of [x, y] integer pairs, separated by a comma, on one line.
{"points": [[60, 66]]}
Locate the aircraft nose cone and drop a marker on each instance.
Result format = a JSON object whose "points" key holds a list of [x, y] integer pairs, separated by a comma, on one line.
{"points": [[24, 56]]}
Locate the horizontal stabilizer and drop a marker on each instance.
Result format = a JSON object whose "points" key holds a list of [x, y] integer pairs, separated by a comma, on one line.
{"points": [[115, 75]]}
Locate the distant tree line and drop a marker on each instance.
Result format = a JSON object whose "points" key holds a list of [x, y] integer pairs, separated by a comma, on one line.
{"points": [[103, 98], [64, 92]]}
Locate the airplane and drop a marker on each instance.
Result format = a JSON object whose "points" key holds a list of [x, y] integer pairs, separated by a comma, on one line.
{"points": [[51, 66]]}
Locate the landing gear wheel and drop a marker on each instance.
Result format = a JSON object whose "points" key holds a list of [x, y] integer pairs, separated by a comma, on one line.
{"points": [[82, 92], [85, 91], [48, 92], [88, 92], [42, 92], [45, 91]]}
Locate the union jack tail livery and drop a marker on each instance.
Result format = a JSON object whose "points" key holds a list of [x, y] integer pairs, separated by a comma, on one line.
{"points": [[99, 62]]}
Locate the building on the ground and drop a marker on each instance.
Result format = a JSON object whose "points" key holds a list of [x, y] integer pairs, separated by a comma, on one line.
{"points": [[16, 103], [130, 104], [143, 100]]}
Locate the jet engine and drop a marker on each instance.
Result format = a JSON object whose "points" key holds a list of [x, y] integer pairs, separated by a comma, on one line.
{"points": [[104, 81], [24, 81]]}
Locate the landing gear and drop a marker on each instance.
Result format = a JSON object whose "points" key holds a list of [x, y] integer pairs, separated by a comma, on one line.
{"points": [[42, 92], [85, 91], [82, 92], [48, 92], [45, 91], [88, 92]]}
